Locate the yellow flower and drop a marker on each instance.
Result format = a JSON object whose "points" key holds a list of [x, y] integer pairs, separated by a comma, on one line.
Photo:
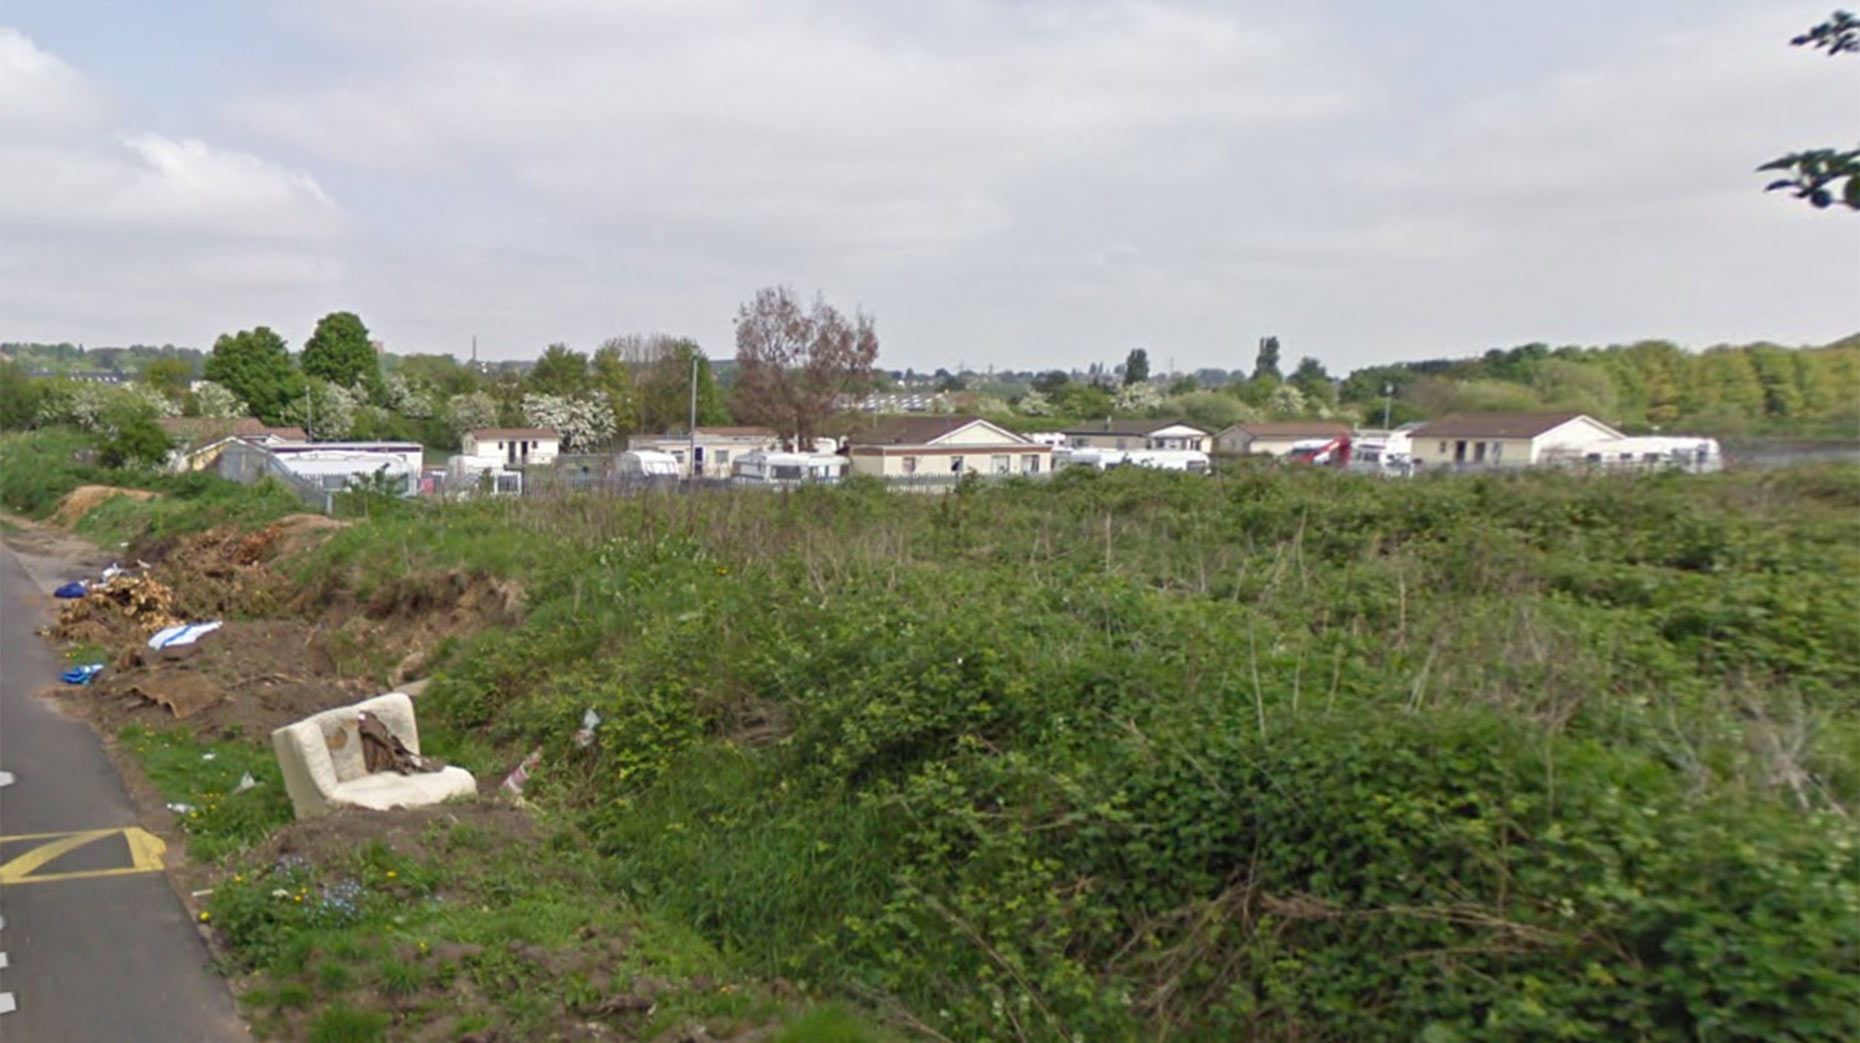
{"points": [[205, 916], [392, 874]]}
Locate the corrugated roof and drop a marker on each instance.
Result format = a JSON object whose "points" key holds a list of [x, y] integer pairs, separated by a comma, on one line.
{"points": [[736, 432], [1495, 425]]}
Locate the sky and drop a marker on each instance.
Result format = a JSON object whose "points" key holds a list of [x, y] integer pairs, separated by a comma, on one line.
{"points": [[1021, 184]]}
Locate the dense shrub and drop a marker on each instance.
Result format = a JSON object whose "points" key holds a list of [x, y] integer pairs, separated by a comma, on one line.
{"points": [[1276, 755]]}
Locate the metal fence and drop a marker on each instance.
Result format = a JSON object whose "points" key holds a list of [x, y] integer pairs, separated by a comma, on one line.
{"points": [[250, 464]]}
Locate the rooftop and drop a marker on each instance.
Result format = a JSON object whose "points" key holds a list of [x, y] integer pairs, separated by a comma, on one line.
{"points": [[1127, 427], [1494, 425]]}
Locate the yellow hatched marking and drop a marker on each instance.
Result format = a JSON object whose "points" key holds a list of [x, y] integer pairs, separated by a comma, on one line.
{"points": [[145, 851]]}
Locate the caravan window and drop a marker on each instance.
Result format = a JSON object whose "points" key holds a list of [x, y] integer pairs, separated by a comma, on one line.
{"points": [[1001, 464], [788, 472]]}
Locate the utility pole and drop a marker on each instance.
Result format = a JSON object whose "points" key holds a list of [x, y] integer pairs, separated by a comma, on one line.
{"points": [[691, 451], [1388, 403]]}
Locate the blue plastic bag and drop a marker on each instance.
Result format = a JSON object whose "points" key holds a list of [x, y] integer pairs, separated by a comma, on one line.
{"points": [[73, 589], [81, 674]]}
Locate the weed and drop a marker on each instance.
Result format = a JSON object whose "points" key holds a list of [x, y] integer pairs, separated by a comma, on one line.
{"points": [[341, 1024]]}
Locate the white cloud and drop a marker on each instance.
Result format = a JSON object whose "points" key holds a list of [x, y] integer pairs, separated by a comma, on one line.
{"points": [[141, 236], [40, 94]]}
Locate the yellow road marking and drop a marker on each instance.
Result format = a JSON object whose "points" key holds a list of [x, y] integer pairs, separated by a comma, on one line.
{"points": [[145, 851]]}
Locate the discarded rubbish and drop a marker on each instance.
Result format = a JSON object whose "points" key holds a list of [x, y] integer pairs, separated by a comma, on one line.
{"points": [[246, 782], [73, 589], [185, 634], [81, 674], [209, 755], [521, 774], [589, 722], [112, 572], [179, 808]]}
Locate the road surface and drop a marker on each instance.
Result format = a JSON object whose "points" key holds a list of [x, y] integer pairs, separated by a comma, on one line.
{"points": [[97, 947]]}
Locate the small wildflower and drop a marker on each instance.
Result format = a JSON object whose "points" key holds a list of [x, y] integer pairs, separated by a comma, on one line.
{"points": [[391, 874], [205, 916]]}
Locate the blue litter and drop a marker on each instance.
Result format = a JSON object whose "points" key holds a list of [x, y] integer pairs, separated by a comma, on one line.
{"points": [[185, 634], [81, 674], [73, 589]]}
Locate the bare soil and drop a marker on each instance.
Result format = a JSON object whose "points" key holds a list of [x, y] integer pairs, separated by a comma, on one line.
{"points": [[79, 502]]}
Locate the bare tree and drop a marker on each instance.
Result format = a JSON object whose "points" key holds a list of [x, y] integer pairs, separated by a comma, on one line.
{"points": [[793, 365]]}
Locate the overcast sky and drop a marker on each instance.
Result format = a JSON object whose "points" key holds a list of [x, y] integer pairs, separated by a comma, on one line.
{"points": [[1023, 183]]}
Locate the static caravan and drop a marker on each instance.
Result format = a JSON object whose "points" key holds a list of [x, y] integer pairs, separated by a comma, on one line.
{"points": [[763, 467]]}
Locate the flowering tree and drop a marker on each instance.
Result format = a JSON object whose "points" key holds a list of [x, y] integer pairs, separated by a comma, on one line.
{"points": [[325, 411], [1033, 403], [410, 399], [217, 402], [584, 423], [470, 411], [1138, 398]]}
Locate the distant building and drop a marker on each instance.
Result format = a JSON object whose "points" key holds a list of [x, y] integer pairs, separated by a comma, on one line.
{"points": [[1137, 434], [1503, 439], [712, 451], [946, 447], [497, 447], [1275, 437]]}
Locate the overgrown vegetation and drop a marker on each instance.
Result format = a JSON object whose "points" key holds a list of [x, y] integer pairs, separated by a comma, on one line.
{"points": [[1124, 756], [1279, 755]]}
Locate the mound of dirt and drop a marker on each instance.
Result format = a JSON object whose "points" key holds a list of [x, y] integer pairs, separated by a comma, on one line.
{"points": [[246, 678], [79, 501], [421, 833]]}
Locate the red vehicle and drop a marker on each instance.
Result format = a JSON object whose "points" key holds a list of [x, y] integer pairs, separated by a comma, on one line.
{"points": [[1322, 452]]}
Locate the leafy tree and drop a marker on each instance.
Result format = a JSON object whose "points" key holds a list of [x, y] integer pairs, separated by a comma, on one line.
{"points": [[1082, 402], [585, 424], [560, 371], [443, 373], [1313, 381], [339, 352], [611, 375], [1051, 381], [1034, 403], [132, 438], [1267, 363], [1184, 385], [1136, 366], [170, 376], [20, 397], [794, 364], [664, 390], [256, 366], [1209, 409], [324, 410], [1824, 176]]}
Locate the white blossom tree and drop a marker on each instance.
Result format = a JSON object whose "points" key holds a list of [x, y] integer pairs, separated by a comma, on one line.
{"points": [[217, 402], [1138, 398], [1034, 403], [325, 411], [470, 411], [585, 423]]}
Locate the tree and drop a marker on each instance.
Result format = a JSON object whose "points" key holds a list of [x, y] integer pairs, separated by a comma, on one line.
{"points": [[1267, 364], [1136, 366], [794, 364], [611, 375], [585, 424], [339, 352], [20, 396], [1082, 402], [664, 389], [1051, 381], [217, 402], [132, 438], [559, 371], [1824, 176], [169, 376], [470, 412], [256, 366], [324, 410], [1313, 381]]}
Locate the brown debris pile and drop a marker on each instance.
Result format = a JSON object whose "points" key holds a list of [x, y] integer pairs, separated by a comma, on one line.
{"points": [[142, 600]]}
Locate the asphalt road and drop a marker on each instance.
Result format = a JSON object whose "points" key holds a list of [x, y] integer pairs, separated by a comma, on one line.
{"points": [[97, 945]]}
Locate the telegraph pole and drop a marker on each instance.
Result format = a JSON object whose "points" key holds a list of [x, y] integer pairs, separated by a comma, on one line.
{"points": [[691, 451]]}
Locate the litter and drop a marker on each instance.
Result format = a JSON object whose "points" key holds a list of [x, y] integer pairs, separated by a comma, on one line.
{"points": [[180, 809], [185, 634], [589, 721], [73, 589], [521, 774], [246, 782], [209, 755], [81, 674]]}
